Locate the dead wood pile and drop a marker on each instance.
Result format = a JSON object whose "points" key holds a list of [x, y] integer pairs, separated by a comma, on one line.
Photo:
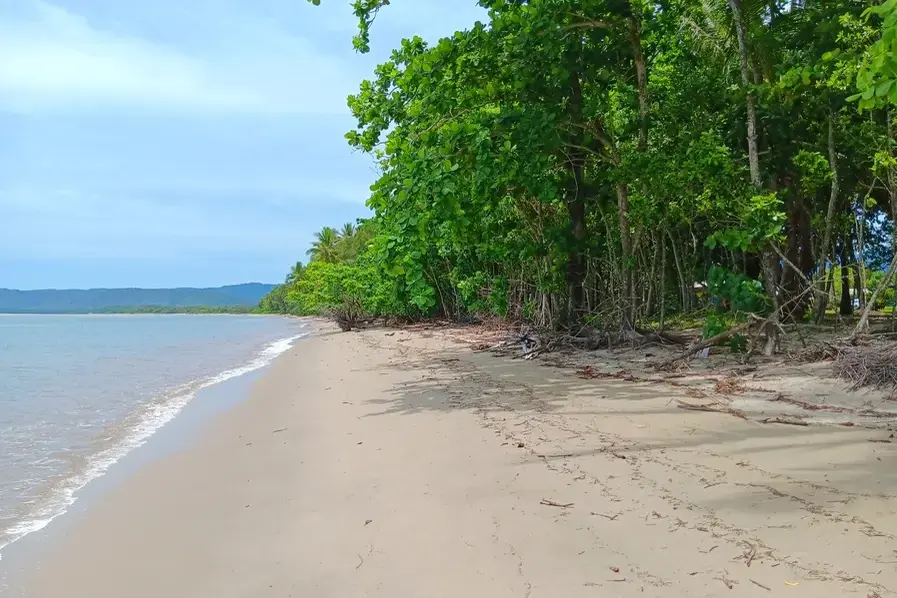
{"points": [[873, 365]]}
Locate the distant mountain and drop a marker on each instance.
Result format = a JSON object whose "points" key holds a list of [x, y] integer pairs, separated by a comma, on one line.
{"points": [[64, 301]]}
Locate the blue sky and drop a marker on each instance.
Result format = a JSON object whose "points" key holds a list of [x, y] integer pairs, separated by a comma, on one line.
{"points": [[172, 143]]}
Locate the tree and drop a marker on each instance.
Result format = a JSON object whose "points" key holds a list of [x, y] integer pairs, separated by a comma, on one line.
{"points": [[591, 163], [348, 231], [324, 247], [295, 274]]}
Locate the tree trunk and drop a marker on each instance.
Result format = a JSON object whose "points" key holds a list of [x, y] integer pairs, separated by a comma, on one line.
{"points": [[861, 261], [857, 280], [863, 324], [821, 304], [769, 258], [770, 267], [651, 284], [892, 175], [683, 289], [846, 307], [576, 210], [641, 77], [663, 279], [628, 322], [751, 100]]}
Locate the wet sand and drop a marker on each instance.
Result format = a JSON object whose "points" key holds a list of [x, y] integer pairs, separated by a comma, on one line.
{"points": [[398, 465]]}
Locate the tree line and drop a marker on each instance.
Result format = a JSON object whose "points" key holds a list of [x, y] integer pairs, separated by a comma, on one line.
{"points": [[614, 163]]}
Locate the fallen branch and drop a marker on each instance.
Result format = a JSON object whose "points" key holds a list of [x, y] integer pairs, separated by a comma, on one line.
{"points": [[760, 585], [551, 503], [729, 583], [611, 517], [782, 420], [717, 408], [782, 398], [661, 337], [700, 346]]}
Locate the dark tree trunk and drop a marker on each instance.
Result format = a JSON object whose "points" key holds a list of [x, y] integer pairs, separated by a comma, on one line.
{"points": [[576, 210], [799, 254], [822, 258], [641, 77], [846, 306], [626, 257]]}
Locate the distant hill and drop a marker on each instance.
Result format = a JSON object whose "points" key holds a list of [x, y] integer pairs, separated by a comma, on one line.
{"points": [[64, 301]]}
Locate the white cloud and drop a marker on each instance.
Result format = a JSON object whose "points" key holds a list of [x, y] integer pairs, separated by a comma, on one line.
{"points": [[53, 58]]}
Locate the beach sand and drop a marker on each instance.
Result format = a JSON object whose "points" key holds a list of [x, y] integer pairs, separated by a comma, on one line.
{"points": [[402, 465]]}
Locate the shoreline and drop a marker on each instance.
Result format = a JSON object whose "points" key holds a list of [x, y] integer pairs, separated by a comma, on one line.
{"points": [[398, 463], [144, 426]]}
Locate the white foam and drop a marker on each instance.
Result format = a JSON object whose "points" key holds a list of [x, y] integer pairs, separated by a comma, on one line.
{"points": [[149, 421]]}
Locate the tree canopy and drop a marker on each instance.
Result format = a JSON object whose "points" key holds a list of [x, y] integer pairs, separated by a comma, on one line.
{"points": [[614, 162]]}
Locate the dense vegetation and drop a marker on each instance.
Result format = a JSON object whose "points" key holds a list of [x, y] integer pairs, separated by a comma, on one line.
{"points": [[239, 298], [616, 162]]}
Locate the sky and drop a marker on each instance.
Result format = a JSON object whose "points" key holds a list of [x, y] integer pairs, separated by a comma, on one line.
{"points": [[173, 143]]}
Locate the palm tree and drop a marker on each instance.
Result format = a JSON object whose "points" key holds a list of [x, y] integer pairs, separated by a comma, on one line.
{"points": [[324, 247], [348, 231], [295, 273]]}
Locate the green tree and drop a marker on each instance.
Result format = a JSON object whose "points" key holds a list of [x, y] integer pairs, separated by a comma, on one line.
{"points": [[325, 246], [594, 162]]}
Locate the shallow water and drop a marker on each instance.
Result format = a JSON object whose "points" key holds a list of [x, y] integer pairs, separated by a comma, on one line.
{"points": [[79, 392]]}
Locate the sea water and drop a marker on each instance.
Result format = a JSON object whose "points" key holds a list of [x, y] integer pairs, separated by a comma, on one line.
{"points": [[77, 393]]}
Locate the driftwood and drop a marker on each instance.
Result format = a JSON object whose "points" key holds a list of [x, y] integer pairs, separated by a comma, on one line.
{"points": [[783, 420], [771, 327], [550, 503], [661, 337], [700, 346], [714, 408]]}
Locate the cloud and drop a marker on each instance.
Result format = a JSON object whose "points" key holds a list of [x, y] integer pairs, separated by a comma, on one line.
{"points": [[54, 58], [169, 142]]}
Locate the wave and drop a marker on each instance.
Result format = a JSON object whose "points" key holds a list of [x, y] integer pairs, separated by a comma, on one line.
{"points": [[142, 426]]}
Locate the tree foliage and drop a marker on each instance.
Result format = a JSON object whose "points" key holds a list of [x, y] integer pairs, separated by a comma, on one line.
{"points": [[571, 161]]}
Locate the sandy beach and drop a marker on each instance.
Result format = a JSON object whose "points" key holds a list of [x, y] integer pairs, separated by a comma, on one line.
{"points": [[403, 465]]}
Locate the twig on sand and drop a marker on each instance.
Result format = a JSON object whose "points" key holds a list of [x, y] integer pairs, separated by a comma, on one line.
{"points": [[782, 420], [551, 503], [611, 517], [760, 585], [729, 583], [715, 408], [278, 430], [360, 562]]}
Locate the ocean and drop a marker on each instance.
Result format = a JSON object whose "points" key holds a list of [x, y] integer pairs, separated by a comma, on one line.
{"points": [[77, 393]]}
